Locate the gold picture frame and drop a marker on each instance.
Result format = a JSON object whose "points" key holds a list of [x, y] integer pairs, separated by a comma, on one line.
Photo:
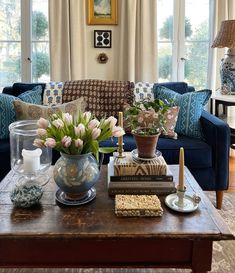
{"points": [[102, 12]]}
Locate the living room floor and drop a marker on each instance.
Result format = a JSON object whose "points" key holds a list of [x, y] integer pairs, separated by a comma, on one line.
{"points": [[232, 172]]}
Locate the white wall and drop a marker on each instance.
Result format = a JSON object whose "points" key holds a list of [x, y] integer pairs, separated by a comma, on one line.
{"points": [[95, 70]]}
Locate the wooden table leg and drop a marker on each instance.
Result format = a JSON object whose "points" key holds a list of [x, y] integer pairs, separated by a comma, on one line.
{"points": [[202, 256]]}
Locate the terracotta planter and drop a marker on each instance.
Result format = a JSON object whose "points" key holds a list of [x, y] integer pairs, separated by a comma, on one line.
{"points": [[146, 145]]}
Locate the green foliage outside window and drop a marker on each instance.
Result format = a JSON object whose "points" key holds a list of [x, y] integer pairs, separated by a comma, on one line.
{"points": [[166, 32], [195, 69], [39, 25]]}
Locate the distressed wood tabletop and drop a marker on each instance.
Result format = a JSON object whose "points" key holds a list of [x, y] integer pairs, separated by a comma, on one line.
{"points": [[97, 219]]}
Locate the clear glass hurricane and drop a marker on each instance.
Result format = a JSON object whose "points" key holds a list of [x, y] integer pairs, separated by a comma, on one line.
{"points": [[30, 162]]}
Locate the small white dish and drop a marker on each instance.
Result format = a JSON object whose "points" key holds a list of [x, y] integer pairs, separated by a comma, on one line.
{"points": [[189, 203], [135, 156]]}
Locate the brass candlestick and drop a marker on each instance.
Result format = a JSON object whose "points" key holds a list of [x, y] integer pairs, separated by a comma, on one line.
{"points": [[120, 143], [181, 197], [120, 151]]}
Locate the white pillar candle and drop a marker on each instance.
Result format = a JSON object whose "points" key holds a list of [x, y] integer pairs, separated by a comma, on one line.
{"points": [[31, 160], [181, 170]]}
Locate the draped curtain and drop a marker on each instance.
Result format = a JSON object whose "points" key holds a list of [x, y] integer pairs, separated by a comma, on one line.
{"points": [[223, 10], [135, 58], [67, 29], [138, 40]]}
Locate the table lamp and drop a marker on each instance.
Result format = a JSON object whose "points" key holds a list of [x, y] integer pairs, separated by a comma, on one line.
{"points": [[226, 38]]}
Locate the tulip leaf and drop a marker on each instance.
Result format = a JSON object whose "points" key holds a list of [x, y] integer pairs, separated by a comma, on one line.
{"points": [[107, 150]]}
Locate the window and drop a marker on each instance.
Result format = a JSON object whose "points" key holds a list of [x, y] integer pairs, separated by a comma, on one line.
{"points": [[183, 41], [10, 42], [24, 42], [40, 41]]}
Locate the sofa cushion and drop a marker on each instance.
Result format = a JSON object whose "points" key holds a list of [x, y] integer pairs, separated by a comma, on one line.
{"points": [[7, 111], [143, 90], [197, 153], [20, 87], [32, 96], [31, 111], [171, 117], [191, 105], [104, 98], [53, 93], [147, 118]]}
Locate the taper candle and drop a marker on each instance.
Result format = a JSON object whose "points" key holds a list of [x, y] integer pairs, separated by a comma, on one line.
{"points": [[181, 170], [120, 123]]}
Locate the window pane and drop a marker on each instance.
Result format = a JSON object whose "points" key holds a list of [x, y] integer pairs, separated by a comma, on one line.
{"points": [[40, 20], [10, 20], [10, 49], [197, 37], [40, 41], [165, 39], [164, 62], [10, 70], [198, 26], [196, 66], [40, 62]]}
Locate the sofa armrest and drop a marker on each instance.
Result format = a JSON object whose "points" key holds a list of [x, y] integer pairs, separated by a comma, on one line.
{"points": [[217, 135], [8, 90]]}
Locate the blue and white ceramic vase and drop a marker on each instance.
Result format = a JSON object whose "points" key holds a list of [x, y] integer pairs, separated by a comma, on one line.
{"points": [[75, 175]]}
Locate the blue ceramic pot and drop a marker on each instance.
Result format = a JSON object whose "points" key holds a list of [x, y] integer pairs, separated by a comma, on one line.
{"points": [[75, 175]]}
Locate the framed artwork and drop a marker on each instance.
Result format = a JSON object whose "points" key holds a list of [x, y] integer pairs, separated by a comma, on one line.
{"points": [[102, 12], [102, 38]]}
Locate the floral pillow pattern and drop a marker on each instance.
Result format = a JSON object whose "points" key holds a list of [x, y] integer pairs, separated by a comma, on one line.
{"points": [[53, 93], [143, 90], [150, 118]]}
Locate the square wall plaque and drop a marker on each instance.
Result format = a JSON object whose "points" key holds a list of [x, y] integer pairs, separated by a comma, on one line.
{"points": [[102, 38]]}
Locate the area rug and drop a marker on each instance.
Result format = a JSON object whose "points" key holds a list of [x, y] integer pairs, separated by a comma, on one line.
{"points": [[223, 251]]}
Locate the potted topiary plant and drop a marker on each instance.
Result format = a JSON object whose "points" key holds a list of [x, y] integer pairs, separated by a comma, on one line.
{"points": [[146, 121]]}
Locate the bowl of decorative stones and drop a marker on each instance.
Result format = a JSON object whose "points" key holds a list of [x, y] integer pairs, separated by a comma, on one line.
{"points": [[25, 195]]}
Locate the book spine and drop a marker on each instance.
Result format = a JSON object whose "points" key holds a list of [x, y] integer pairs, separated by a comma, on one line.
{"points": [[142, 184], [112, 191], [134, 178]]}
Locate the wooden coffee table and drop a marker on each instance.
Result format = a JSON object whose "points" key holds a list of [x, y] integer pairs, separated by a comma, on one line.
{"points": [[51, 235]]}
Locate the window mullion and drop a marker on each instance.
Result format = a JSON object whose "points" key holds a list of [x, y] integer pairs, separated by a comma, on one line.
{"points": [[175, 43], [181, 41], [26, 49]]}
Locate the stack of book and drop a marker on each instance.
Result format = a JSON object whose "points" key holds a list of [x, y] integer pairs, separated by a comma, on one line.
{"points": [[125, 176]]}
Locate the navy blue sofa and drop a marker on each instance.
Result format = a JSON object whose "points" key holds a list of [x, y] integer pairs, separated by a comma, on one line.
{"points": [[207, 160]]}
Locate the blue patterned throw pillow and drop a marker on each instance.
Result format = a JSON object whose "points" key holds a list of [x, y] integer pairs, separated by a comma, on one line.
{"points": [[32, 96], [191, 105], [7, 110]]}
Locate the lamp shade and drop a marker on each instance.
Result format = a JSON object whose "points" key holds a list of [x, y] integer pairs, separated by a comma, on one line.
{"points": [[226, 35]]}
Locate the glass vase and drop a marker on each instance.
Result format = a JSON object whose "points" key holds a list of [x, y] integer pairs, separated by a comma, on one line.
{"points": [[75, 175]]}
